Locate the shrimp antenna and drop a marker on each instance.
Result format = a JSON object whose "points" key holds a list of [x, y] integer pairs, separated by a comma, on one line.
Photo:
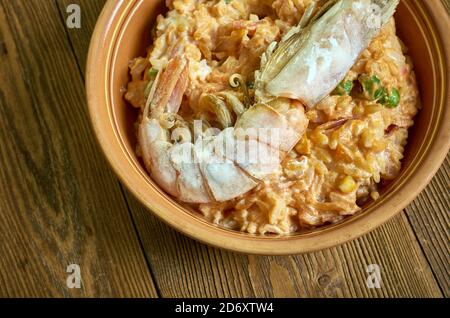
{"points": [[236, 81], [147, 107]]}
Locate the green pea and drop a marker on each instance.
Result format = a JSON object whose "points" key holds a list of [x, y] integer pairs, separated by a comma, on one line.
{"points": [[393, 99], [371, 85], [344, 88], [375, 79], [383, 99], [379, 93]]}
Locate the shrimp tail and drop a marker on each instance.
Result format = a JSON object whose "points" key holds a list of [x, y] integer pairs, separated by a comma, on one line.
{"points": [[170, 86]]}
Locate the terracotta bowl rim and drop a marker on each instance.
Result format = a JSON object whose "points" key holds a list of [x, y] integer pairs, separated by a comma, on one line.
{"points": [[196, 227]]}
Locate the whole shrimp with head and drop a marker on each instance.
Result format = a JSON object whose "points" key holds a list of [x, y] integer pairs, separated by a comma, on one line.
{"points": [[299, 71]]}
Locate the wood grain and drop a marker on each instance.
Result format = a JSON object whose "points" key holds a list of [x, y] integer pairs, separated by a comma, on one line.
{"points": [[59, 202], [446, 5], [185, 268], [429, 215]]}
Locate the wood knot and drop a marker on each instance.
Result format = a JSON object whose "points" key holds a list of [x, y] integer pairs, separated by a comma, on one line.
{"points": [[89, 231], [324, 280], [23, 264]]}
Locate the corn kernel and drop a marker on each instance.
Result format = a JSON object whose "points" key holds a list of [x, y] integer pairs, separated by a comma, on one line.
{"points": [[372, 109], [347, 185], [367, 138], [304, 146], [319, 138]]}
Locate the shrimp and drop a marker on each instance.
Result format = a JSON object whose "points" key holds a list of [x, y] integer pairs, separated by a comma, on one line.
{"points": [[298, 72]]}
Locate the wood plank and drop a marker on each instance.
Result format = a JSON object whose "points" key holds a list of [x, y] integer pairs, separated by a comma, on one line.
{"points": [[185, 268], [59, 202], [429, 215]]}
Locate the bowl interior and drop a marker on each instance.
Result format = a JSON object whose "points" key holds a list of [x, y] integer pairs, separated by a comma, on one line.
{"points": [[133, 37]]}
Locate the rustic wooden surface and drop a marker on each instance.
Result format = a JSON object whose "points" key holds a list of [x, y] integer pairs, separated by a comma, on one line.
{"points": [[60, 203]]}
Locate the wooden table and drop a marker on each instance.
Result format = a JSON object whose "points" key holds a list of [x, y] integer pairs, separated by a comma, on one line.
{"points": [[60, 204]]}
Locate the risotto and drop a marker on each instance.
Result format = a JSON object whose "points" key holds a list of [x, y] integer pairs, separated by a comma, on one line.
{"points": [[355, 138]]}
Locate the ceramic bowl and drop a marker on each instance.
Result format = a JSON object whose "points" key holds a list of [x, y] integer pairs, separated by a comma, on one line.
{"points": [[123, 32]]}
